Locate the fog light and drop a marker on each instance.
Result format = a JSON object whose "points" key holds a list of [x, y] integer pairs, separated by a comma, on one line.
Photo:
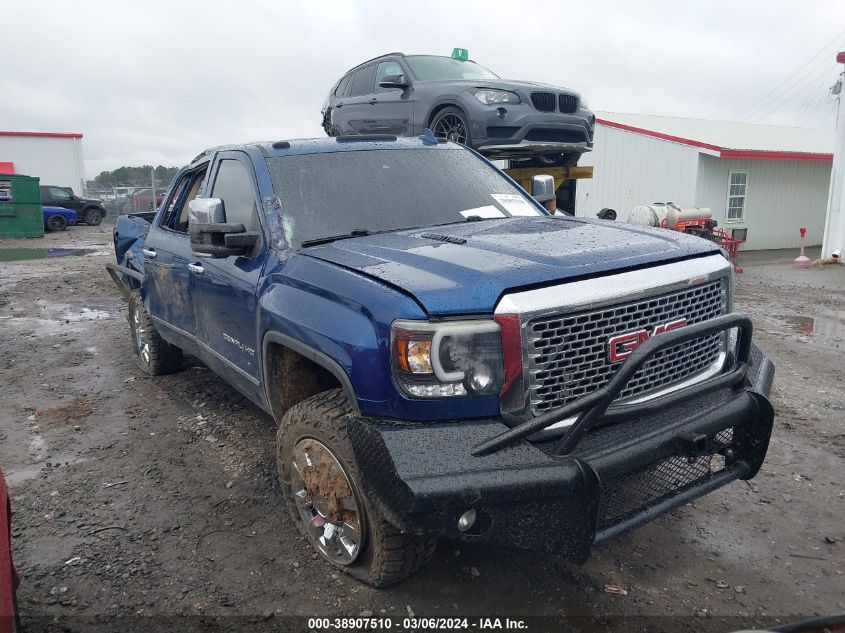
{"points": [[467, 520], [480, 378]]}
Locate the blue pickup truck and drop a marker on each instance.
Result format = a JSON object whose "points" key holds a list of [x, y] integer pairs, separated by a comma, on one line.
{"points": [[444, 358]]}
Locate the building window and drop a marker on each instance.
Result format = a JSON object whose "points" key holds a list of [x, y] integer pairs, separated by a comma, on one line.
{"points": [[737, 186]]}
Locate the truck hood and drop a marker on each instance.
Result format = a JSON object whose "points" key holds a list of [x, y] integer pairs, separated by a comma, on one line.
{"points": [[468, 274]]}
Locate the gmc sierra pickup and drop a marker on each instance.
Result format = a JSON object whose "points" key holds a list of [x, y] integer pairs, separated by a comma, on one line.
{"points": [[444, 358]]}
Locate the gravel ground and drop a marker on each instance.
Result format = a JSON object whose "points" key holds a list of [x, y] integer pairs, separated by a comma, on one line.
{"points": [[137, 496]]}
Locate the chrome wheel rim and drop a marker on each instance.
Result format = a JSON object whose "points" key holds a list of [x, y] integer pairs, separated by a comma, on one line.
{"points": [[330, 512], [142, 342], [451, 127]]}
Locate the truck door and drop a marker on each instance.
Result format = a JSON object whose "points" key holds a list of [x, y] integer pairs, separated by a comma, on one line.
{"points": [[392, 108], [224, 289], [167, 253]]}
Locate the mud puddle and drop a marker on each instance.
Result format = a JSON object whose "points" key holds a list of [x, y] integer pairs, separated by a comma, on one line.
{"points": [[827, 324], [21, 254], [15, 476]]}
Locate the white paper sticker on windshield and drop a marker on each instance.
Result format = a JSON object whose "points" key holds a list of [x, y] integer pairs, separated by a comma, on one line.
{"points": [[515, 204], [488, 211]]}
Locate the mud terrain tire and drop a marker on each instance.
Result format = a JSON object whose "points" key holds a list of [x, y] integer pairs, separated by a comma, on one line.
{"points": [[387, 556]]}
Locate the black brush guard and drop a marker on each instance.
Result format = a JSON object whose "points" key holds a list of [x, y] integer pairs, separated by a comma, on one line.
{"points": [[553, 494], [596, 407]]}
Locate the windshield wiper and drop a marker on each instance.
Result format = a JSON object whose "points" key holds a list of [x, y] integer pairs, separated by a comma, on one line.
{"points": [[333, 238]]}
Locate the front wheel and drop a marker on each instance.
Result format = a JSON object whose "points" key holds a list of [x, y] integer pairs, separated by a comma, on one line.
{"points": [[56, 222], [324, 496], [154, 355], [92, 216], [450, 124]]}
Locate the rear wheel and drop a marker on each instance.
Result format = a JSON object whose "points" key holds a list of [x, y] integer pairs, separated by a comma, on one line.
{"points": [[450, 124], [153, 354], [92, 216], [323, 493], [56, 222]]}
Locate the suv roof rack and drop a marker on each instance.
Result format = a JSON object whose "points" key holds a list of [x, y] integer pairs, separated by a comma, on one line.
{"points": [[374, 59], [361, 138]]}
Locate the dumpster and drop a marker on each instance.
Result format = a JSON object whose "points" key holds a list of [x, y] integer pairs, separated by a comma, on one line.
{"points": [[20, 206]]}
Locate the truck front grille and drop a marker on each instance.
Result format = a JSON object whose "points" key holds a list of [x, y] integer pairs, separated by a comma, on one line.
{"points": [[632, 492], [543, 101], [568, 103], [568, 353]]}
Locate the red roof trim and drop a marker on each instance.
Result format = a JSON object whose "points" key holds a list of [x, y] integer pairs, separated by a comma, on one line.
{"points": [[723, 151], [760, 154], [665, 137], [43, 134]]}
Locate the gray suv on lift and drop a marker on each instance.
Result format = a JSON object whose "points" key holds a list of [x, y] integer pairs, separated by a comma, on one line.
{"points": [[461, 101]]}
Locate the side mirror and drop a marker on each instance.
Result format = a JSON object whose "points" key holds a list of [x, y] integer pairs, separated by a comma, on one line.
{"points": [[394, 81], [212, 236], [543, 188]]}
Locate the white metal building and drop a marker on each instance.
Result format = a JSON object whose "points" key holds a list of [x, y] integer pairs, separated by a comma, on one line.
{"points": [[56, 158], [762, 182]]}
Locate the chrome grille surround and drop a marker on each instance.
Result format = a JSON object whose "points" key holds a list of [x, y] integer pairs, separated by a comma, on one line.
{"points": [[565, 329]]}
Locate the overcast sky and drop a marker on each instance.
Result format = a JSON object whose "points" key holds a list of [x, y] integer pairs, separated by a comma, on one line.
{"points": [[158, 81]]}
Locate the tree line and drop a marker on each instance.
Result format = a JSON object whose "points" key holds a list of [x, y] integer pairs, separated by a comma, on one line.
{"points": [[135, 176]]}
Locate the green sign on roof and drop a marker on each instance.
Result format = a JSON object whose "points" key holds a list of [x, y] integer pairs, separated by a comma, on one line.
{"points": [[461, 54]]}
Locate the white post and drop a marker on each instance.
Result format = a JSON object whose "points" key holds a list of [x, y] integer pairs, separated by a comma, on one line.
{"points": [[834, 225]]}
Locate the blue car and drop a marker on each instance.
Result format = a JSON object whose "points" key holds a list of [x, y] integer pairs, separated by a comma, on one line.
{"points": [[445, 359], [58, 218]]}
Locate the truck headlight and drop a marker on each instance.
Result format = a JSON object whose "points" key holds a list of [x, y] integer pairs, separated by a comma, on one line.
{"points": [[452, 358], [488, 96]]}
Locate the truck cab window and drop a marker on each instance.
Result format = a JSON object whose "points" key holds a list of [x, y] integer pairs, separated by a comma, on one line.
{"points": [[177, 207], [233, 186]]}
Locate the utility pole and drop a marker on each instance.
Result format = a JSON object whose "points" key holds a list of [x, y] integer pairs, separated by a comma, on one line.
{"points": [[834, 225]]}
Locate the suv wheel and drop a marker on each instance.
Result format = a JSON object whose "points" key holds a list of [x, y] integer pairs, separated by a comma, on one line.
{"points": [[153, 354], [451, 124], [324, 496], [56, 222], [92, 216]]}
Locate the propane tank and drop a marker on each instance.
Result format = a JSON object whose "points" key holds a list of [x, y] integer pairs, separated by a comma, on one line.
{"points": [[676, 214], [649, 214]]}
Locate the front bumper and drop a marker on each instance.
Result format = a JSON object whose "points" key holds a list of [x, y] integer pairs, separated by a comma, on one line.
{"points": [[423, 477], [520, 130]]}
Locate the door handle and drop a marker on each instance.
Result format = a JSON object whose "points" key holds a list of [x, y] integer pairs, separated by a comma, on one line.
{"points": [[148, 252], [196, 269], [373, 101], [338, 105]]}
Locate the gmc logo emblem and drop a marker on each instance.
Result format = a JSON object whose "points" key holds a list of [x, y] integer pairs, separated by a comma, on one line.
{"points": [[622, 346]]}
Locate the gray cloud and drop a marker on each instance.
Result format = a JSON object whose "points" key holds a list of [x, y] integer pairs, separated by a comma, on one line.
{"points": [[156, 82]]}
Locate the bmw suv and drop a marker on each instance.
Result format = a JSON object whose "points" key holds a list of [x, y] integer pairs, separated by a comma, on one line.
{"points": [[460, 101]]}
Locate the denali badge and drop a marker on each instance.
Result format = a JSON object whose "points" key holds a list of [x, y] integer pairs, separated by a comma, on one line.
{"points": [[622, 346]]}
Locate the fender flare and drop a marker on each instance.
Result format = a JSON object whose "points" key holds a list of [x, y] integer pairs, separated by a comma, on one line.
{"points": [[317, 357]]}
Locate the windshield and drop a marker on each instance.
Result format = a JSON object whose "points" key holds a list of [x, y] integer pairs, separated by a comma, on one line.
{"points": [[435, 68], [331, 194]]}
